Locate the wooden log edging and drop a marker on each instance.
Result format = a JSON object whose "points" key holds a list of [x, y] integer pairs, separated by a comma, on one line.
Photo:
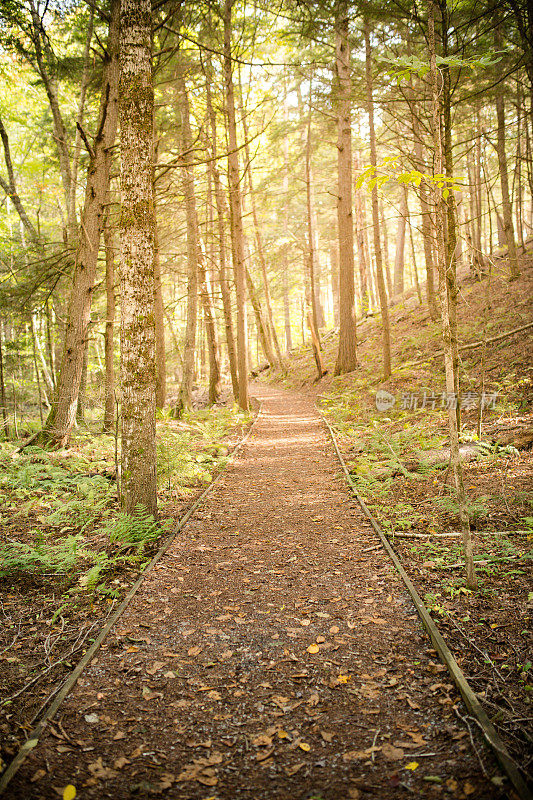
{"points": [[35, 735], [469, 697]]}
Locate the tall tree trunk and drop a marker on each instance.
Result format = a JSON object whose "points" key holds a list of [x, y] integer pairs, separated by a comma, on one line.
{"points": [[334, 270], [425, 210], [285, 277], [440, 217], [236, 213], [85, 79], [269, 318], [3, 399], [380, 279], [399, 258], [504, 175], [160, 352], [347, 353], [386, 259], [221, 230], [260, 321], [193, 255], [362, 245], [211, 332], [109, 410], [62, 415], [311, 253], [137, 226]]}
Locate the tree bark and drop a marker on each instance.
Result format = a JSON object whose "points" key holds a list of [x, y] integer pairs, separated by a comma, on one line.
{"points": [[425, 210], [399, 257], [222, 250], [3, 399], [62, 416], [504, 175], [193, 255], [236, 213], [137, 226], [109, 409], [380, 279], [160, 352], [440, 241], [311, 252], [347, 352]]}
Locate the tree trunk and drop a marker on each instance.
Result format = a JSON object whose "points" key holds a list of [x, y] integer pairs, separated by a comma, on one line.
{"points": [[399, 258], [382, 292], [269, 318], [311, 254], [3, 400], [160, 352], [193, 254], [439, 217], [347, 353], [137, 226], [427, 236], [504, 176], [62, 416], [221, 229], [260, 321], [211, 333], [334, 267], [362, 246], [285, 278], [85, 79], [236, 213], [109, 410]]}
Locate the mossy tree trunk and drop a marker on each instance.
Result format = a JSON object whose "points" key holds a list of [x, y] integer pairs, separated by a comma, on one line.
{"points": [[62, 416], [137, 247]]}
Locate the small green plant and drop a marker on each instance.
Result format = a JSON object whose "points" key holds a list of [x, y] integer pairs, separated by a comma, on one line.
{"points": [[134, 530]]}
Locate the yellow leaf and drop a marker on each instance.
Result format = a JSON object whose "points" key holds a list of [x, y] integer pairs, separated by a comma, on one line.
{"points": [[304, 746], [344, 678], [283, 735], [412, 765], [69, 792], [313, 648]]}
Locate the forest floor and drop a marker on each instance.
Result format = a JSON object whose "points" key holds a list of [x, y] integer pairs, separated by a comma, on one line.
{"points": [[272, 653], [398, 458]]}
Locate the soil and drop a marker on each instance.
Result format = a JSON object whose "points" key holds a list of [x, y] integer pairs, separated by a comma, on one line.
{"points": [[272, 653]]}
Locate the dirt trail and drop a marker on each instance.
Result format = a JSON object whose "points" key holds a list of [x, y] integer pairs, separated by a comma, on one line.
{"points": [[207, 687]]}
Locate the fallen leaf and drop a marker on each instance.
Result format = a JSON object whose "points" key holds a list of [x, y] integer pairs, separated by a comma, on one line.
{"points": [[119, 735], [100, 772], [313, 648], [392, 753], [263, 740], [412, 765], [69, 792], [264, 754], [121, 762], [167, 779], [468, 788], [194, 651], [334, 629], [91, 718], [304, 746], [328, 737], [305, 622], [214, 695], [313, 700], [294, 768], [38, 775], [156, 666], [354, 793]]}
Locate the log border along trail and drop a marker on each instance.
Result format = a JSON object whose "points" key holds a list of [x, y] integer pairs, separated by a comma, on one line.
{"points": [[271, 652]]}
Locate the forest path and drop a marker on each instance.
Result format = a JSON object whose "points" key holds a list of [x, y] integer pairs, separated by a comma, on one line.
{"points": [[207, 688]]}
